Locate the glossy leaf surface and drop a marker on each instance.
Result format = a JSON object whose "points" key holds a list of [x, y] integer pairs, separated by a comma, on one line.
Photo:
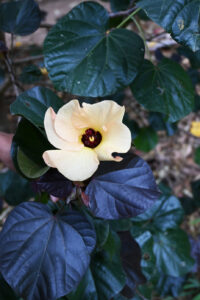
{"points": [[170, 285], [33, 103], [54, 183], [145, 241], [85, 58], [21, 17], [27, 167], [179, 17], [30, 144], [168, 89], [103, 280], [44, 256], [172, 251], [131, 259], [166, 213], [146, 139], [14, 188], [122, 190]]}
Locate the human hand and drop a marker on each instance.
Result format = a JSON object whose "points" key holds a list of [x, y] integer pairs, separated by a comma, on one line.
{"points": [[5, 147]]}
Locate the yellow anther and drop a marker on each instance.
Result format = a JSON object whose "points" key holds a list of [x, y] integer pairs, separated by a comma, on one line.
{"points": [[91, 138]]}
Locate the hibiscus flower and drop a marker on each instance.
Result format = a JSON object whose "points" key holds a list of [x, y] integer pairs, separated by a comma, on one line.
{"points": [[84, 136]]}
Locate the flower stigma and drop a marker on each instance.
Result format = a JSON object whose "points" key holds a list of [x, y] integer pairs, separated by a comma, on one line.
{"points": [[91, 138]]}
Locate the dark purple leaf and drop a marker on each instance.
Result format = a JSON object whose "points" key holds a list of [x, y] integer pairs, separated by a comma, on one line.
{"points": [[42, 255], [20, 17], [131, 259], [122, 189], [54, 183]]}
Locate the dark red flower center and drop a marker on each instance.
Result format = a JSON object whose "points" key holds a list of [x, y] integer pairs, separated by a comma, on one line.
{"points": [[91, 138]]}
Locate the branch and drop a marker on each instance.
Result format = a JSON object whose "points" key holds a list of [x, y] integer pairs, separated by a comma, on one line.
{"points": [[134, 12], [4, 86], [28, 59], [46, 26], [155, 36], [123, 13], [8, 63], [5, 213]]}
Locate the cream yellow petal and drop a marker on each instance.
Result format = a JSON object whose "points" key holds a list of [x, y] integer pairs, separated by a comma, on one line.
{"points": [[100, 115], [76, 166], [116, 139], [63, 121], [53, 137]]}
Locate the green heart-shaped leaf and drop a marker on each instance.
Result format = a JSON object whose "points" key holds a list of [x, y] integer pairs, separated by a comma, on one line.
{"points": [[179, 17], [85, 58], [167, 89]]}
